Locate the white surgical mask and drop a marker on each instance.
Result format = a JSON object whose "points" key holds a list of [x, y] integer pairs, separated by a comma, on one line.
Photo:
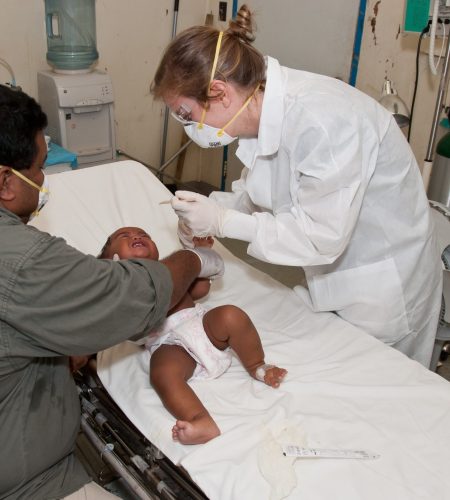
{"points": [[207, 136], [202, 134], [44, 190], [44, 195]]}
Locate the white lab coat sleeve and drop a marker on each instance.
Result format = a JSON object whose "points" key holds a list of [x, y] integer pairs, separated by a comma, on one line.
{"points": [[330, 164], [238, 199]]}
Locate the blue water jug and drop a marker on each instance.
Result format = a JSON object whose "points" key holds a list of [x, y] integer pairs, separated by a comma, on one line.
{"points": [[71, 35]]}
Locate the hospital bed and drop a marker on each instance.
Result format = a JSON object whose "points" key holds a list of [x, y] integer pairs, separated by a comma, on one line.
{"points": [[344, 389]]}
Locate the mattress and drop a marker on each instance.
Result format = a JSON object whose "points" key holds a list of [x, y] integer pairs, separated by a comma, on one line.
{"points": [[344, 389]]}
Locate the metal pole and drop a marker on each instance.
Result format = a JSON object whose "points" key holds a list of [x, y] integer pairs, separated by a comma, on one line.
{"points": [[223, 177], [170, 160], [428, 163], [166, 110]]}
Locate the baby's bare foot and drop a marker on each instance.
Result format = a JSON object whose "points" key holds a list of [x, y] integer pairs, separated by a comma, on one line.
{"points": [[270, 375], [198, 431]]}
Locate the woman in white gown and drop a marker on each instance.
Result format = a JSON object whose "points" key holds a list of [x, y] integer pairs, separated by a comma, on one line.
{"points": [[330, 182]]}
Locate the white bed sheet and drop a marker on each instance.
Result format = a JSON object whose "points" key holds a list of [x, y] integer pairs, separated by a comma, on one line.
{"points": [[344, 389]]}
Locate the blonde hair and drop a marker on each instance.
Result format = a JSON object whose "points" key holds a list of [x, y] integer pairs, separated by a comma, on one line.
{"points": [[185, 68]]}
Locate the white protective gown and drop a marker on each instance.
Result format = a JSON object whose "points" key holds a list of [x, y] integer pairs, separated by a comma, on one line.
{"points": [[333, 186]]}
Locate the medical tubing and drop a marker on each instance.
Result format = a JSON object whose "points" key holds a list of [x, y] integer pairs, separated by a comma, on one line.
{"points": [[10, 70], [438, 108], [433, 37], [416, 80], [113, 460], [442, 47]]}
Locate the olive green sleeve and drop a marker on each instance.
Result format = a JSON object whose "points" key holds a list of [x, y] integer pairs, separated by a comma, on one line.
{"points": [[64, 302]]}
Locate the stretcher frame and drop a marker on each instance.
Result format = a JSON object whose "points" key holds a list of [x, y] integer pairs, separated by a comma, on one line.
{"points": [[147, 473], [147, 469]]}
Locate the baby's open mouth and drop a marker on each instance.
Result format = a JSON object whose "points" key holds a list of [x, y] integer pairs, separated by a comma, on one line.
{"points": [[136, 244]]}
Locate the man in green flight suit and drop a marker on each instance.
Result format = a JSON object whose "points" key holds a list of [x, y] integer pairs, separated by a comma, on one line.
{"points": [[56, 302]]}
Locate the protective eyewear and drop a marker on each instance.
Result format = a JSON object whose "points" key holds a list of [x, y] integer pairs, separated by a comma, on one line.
{"points": [[183, 115]]}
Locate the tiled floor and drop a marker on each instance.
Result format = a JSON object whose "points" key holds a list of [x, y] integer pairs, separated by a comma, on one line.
{"points": [[292, 276]]}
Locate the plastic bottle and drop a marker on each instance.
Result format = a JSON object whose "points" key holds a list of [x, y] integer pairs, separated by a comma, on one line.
{"points": [[71, 35]]}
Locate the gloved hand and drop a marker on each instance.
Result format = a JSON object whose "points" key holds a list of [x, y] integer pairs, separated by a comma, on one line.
{"points": [[211, 262], [202, 215], [185, 235]]}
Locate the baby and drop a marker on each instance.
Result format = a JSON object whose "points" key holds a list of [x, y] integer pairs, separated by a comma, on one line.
{"points": [[193, 342]]}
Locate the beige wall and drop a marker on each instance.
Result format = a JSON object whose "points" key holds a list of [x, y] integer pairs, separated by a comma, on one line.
{"points": [[132, 35], [386, 52], [23, 41], [131, 42]]}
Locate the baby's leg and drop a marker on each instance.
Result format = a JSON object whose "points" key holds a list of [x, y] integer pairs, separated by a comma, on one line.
{"points": [[231, 326], [170, 369]]}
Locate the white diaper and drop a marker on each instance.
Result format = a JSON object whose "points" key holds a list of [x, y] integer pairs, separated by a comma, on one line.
{"points": [[185, 328]]}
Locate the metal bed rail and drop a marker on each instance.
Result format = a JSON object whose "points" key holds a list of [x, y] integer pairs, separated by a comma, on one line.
{"points": [[141, 465]]}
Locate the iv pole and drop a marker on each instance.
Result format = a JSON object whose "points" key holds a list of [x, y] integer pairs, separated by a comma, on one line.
{"points": [[164, 164], [428, 162]]}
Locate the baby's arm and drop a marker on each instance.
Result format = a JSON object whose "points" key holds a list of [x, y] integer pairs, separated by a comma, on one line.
{"points": [[199, 289]]}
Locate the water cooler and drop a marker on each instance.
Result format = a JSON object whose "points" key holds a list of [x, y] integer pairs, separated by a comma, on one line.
{"points": [[78, 100]]}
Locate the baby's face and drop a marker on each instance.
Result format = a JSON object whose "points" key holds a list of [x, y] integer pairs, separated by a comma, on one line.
{"points": [[132, 242]]}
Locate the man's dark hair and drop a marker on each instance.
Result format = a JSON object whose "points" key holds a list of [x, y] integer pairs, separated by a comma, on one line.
{"points": [[21, 118]]}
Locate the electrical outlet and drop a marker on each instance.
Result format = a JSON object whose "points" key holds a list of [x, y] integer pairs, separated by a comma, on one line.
{"points": [[223, 11], [442, 29]]}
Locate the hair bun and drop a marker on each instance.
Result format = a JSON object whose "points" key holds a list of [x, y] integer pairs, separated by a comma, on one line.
{"points": [[242, 25]]}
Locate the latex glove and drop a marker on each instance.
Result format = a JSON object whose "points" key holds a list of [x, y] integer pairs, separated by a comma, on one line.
{"points": [[211, 262], [185, 235], [202, 215]]}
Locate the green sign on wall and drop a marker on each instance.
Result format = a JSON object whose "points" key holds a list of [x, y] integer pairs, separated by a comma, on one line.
{"points": [[417, 14]]}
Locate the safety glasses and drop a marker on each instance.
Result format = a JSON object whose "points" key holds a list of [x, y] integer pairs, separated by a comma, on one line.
{"points": [[183, 114]]}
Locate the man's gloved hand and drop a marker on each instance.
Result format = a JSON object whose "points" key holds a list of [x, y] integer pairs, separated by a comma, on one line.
{"points": [[201, 215], [211, 262]]}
